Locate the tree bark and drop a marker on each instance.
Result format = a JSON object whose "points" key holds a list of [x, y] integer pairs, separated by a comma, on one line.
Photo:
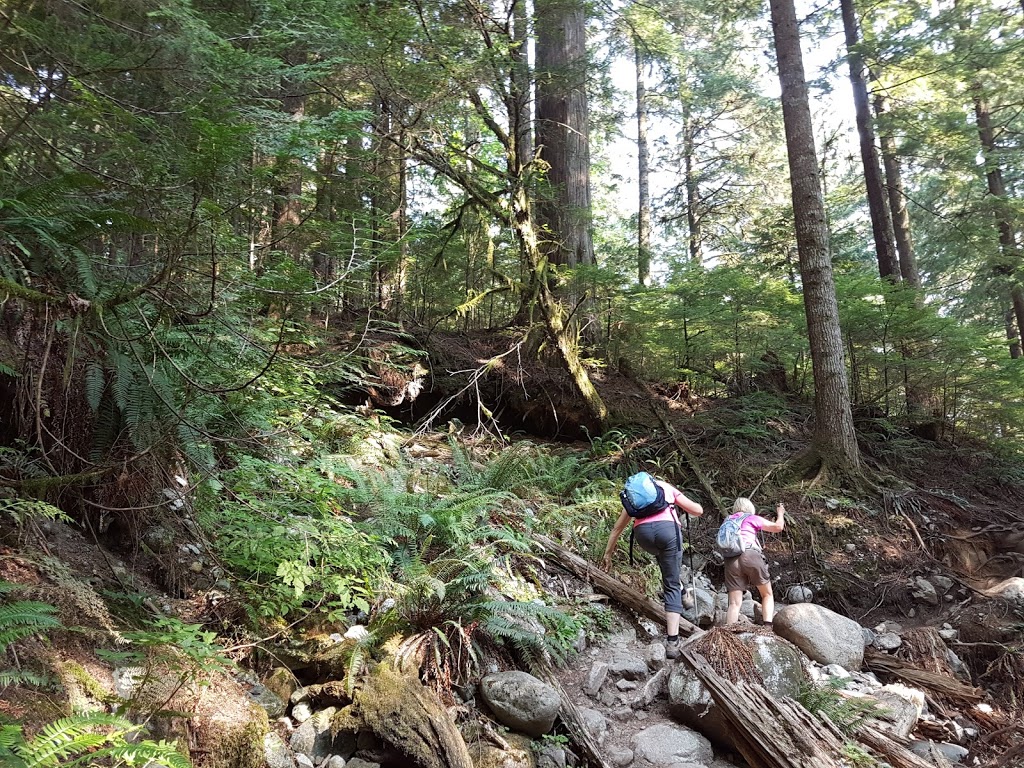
{"points": [[563, 132], [1008, 263], [834, 436], [643, 255], [387, 210], [881, 225], [692, 191], [287, 209], [897, 199], [1009, 260]]}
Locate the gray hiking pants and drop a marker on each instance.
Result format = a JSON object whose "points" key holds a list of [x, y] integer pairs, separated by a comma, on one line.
{"points": [[662, 539]]}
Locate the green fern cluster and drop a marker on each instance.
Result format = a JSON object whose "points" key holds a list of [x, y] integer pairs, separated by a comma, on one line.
{"points": [[845, 713], [20, 619], [24, 511], [94, 738]]}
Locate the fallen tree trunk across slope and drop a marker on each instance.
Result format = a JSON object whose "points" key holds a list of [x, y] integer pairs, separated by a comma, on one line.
{"points": [[779, 733], [627, 597]]}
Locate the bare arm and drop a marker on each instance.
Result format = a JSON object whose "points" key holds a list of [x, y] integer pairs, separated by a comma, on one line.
{"points": [[613, 539], [780, 519], [689, 506]]}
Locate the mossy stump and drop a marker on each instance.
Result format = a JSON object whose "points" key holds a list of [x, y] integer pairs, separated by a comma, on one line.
{"points": [[401, 712]]}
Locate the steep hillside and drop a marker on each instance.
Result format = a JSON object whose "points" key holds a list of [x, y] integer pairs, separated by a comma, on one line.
{"points": [[155, 623]]}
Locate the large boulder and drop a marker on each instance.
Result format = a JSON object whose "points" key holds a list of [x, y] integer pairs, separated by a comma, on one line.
{"points": [[521, 701], [825, 636], [781, 668], [670, 745]]}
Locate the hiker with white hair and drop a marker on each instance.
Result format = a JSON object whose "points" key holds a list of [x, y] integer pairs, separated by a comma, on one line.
{"points": [[748, 568]]}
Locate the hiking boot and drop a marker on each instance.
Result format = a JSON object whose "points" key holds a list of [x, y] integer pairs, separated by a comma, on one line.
{"points": [[672, 649]]}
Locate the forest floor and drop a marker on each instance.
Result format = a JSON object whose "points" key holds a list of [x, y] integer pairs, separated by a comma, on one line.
{"points": [[947, 509]]}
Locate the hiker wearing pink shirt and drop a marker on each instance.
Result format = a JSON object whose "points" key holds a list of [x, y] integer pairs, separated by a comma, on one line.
{"points": [[749, 569]]}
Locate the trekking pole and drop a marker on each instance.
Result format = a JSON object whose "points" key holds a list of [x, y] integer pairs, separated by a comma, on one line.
{"points": [[693, 579]]}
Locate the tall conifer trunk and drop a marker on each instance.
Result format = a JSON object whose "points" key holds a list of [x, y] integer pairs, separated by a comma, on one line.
{"points": [[881, 225], [834, 436], [563, 132], [897, 199], [643, 172]]}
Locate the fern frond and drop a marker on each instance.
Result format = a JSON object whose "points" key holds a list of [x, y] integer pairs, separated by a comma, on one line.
{"points": [[24, 677], [145, 753], [24, 618], [95, 381], [25, 510]]}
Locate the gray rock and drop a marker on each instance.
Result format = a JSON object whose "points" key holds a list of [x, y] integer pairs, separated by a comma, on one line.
{"points": [[620, 757], [628, 666], [128, 681], [942, 583], [1011, 589], [825, 636], [521, 701], [902, 708], [358, 762], [302, 711], [270, 701], [924, 591], [551, 757], [276, 753], [835, 670], [595, 678], [954, 753], [653, 688], [313, 737], [335, 761], [303, 761], [159, 539], [887, 641], [595, 723], [799, 594], [704, 613], [665, 745], [654, 655]]}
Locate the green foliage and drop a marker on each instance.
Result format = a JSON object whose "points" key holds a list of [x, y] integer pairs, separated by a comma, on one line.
{"points": [[845, 713], [24, 511], [95, 738], [191, 651], [22, 618], [284, 531]]}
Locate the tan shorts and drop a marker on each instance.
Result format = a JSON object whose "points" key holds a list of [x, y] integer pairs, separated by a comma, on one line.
{"points": [[747, 570]]}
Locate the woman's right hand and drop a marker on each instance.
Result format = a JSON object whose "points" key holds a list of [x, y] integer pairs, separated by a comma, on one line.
{"points": [[606, 561]]}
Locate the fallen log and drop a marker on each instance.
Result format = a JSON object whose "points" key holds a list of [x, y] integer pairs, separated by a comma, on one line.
{"points": [[769, 732], [780, 733], [604, 582], [936, 682], [572, 720]]}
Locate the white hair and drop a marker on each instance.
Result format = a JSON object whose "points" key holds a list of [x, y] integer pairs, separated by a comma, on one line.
{"points": [[744, 505]]}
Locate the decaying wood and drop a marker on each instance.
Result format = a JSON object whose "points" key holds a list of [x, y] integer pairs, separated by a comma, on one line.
{"points": [[400, 711], [604, 582], [573, 721], [774, 732], [937, 683], [769, 732], [892, 751]]}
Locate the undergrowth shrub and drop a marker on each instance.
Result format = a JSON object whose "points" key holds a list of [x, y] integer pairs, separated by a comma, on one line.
{"points": [[285, 532]]}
